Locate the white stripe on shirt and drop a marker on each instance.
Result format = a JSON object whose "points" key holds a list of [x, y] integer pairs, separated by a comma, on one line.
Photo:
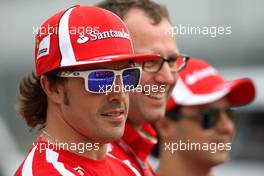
{"points": [[127, 163], [52, 157], [27, 166]]}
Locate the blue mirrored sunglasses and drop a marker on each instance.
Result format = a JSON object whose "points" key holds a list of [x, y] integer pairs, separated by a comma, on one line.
{"points": [[102, 81]]}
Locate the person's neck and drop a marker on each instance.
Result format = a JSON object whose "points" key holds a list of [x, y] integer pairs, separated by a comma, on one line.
{"points": [[179, 165], [58, 131], [135, 125]]}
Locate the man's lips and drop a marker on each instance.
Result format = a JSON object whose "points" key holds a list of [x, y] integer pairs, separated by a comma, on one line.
{"points": [[114, 115], [158, 95], [222, 141]]}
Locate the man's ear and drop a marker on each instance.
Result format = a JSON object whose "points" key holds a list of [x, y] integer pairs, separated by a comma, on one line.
{"points": [[165, 128], [53, 92]]}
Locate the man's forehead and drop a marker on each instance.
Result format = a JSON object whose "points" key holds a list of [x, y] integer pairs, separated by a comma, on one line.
{"points": [[144, 23], [221, 103], [145, 27], [150, 38]]}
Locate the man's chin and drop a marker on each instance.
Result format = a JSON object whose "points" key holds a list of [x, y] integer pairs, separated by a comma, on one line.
{"points": [[220, 157], [154, 114], [112, 138]]}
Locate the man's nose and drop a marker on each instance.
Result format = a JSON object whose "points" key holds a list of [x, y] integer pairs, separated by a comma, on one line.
{"points": [[117, 92], [225, 124], [165, 76]]}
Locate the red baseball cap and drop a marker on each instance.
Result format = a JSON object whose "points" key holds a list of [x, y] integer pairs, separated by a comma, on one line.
{"points": [[83, 36], [200, 83]]}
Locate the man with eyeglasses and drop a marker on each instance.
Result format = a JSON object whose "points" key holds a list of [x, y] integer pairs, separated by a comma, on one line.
{"points": [[149, 25], [71, 97], [196, 133]]}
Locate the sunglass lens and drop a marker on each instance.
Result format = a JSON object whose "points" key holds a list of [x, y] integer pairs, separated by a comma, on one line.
{"points": [[210, 117], [100, 81], [231, 113], [131, 78]]}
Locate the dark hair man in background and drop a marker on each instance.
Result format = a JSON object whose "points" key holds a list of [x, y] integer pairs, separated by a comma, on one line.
{"points": [[196, 133]]}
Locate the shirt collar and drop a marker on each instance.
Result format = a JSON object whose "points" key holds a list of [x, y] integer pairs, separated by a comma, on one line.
{"points": [[141, 141]]}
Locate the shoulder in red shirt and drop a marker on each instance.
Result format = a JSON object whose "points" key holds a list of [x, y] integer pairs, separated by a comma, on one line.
{"points": [[53, 162]]}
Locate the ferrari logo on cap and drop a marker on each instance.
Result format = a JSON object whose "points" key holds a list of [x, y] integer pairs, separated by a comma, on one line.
{"points": [[43, 47]]}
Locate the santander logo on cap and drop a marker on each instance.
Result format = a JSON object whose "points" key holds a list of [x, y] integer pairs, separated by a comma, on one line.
{"points": [[95, 34]]}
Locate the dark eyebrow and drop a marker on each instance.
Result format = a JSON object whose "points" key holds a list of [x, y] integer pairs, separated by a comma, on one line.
{"points": [[175, 55], [171, 57]]}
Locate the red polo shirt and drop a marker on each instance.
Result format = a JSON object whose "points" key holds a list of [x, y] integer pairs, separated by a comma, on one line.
{"points": [[48, 161]]}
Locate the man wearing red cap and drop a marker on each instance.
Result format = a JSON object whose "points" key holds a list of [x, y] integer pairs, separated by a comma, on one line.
{"points": [[81, 55], [149, 25], [196, 133]]}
